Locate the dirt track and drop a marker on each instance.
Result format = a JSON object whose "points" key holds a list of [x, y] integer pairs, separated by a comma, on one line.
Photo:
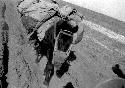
{"points": [[97, 52]]}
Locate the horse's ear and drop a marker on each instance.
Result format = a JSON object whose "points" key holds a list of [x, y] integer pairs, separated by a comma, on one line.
{"points": [[54, 1], [78, 38], [66, 10]]}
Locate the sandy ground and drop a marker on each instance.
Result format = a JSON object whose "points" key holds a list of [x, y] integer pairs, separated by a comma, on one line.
{"points": [[96, 52]]}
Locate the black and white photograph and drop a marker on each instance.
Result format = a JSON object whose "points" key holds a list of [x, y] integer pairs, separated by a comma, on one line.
{"points": [[62, 44]]}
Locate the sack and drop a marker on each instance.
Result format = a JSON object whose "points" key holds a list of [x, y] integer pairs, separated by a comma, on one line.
{"points": [[40, 11]]}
